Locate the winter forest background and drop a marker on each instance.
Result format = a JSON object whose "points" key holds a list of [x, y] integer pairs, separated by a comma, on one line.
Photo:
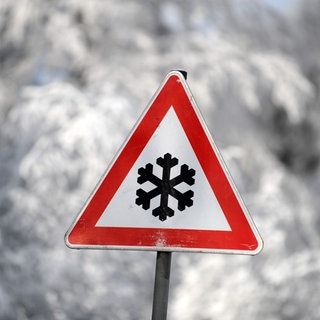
{"points": [[75, 76]]}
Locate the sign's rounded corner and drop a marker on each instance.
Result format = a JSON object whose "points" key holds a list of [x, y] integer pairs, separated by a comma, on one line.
{"points": [[181, 74], [259, 247], [67, 242]]}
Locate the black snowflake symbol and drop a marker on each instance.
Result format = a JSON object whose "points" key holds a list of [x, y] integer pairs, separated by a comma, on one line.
{"points": [[165, 187]]}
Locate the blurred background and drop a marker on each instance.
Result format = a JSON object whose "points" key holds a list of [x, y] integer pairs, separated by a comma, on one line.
{"points": [[74, 78]]}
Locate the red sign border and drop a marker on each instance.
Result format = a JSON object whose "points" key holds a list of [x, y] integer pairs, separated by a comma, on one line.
{"points": [[243, 237]]}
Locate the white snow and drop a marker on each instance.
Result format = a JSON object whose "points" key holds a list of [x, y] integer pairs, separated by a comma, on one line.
{"points": [[75, 76]]}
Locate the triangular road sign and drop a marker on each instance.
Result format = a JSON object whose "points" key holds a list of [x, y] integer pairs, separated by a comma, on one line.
{"points": [[168, 188]]}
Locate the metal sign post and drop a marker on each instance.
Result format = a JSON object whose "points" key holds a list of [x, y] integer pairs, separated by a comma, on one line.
{"points": [[161, 286]]}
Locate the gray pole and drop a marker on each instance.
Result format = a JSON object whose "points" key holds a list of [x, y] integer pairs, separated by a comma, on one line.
{"points": [[161, 286]]}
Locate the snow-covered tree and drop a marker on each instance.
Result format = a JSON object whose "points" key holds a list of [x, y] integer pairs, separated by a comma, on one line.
{"points": [[75, 77]]}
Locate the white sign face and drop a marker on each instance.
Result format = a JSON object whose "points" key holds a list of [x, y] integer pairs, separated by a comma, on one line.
{"points": [[204, 214]]}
